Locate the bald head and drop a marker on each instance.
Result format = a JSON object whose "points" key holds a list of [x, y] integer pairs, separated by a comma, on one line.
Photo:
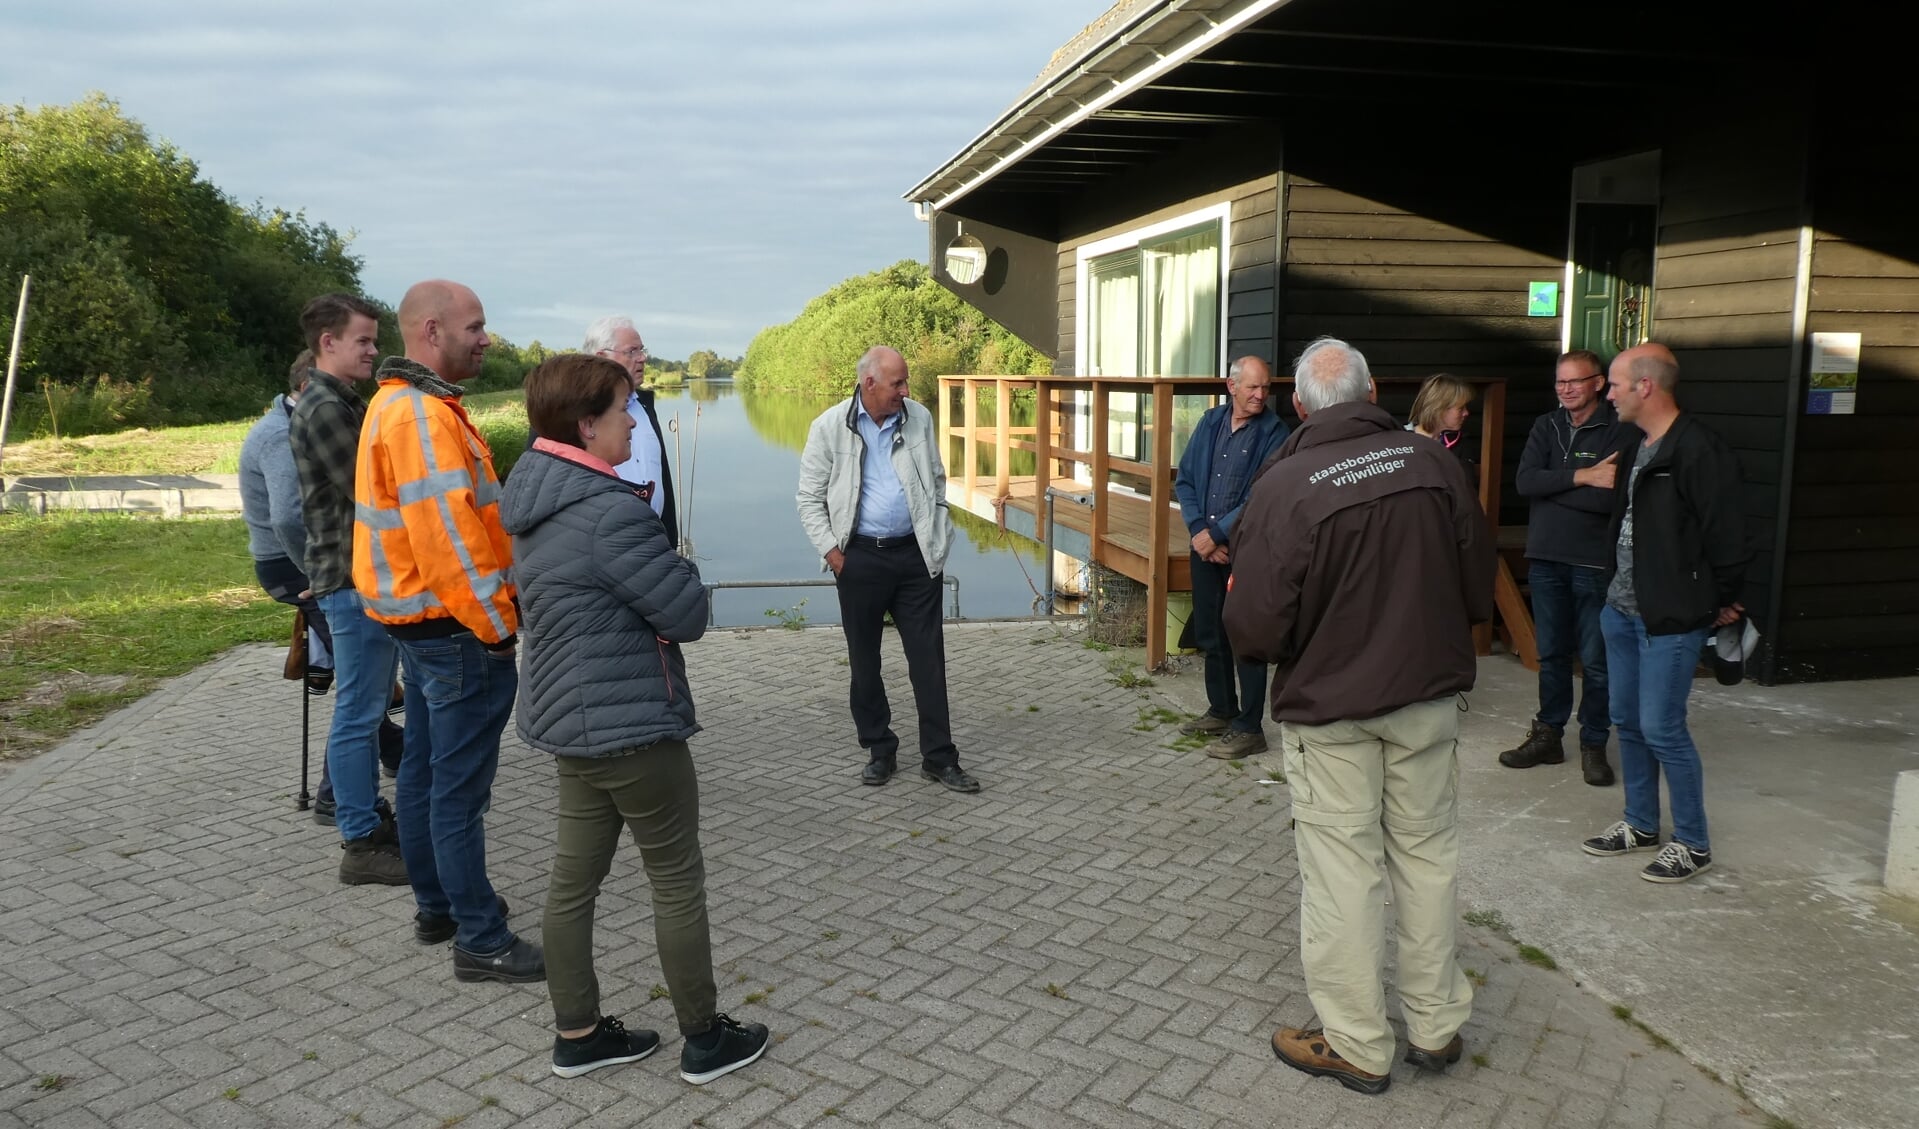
{"points": [[1641, 383], [1652, 361], [444, 327], [883, 382]]}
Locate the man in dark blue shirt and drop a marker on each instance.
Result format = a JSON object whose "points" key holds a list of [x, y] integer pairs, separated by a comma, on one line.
{"points": [[1229, 445]]}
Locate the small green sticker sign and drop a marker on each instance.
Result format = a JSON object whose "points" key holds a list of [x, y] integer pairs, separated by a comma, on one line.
{"points": [[1542, 299]]}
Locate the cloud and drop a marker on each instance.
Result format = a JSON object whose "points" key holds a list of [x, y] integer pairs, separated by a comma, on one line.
{"points": [[707, 168]]}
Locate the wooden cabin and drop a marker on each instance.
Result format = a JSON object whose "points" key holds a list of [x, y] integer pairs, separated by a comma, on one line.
{"points": [[1475, 188]]}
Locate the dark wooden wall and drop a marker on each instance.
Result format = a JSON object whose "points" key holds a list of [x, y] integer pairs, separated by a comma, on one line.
{"points": [[1851, 583], [1418, 295], [1732, 198]]}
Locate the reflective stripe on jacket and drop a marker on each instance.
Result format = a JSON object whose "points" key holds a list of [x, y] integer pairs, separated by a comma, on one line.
{"points": [[427, 541]]}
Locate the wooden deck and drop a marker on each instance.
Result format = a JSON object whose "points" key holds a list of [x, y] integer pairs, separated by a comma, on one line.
{"points": [[1122, 526]]}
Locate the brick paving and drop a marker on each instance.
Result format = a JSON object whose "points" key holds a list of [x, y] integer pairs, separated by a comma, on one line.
{"points": [[1104, 937]]}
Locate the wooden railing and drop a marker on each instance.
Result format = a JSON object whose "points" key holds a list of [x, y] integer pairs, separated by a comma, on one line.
{"points": [[1135, 544]]}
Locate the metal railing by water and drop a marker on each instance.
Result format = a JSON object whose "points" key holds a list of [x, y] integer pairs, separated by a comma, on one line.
{"points": [[712, 620]]}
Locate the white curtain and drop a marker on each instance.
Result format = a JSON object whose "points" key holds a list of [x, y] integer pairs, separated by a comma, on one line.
{"points": [[1182, 285]]}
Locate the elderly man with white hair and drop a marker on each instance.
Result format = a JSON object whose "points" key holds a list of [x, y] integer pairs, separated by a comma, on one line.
{"points": [[615, 339], [1361, 562]]}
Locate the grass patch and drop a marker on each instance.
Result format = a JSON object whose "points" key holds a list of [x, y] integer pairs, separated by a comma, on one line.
{"points": [[1481, 1061], [95, 608], [1537, 957], [1625, 1015], [51, 1082], [1489, 919], [208, 448], [659, 992], [1055, 991]]}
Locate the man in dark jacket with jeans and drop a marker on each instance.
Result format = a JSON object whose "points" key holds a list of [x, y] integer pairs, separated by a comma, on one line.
{"points": [[1567, 471], [1679, 564], [1364, 560], [1229, 445]]}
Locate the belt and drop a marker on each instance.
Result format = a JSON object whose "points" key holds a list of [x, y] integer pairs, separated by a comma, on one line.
{"points": [[861, 541]]}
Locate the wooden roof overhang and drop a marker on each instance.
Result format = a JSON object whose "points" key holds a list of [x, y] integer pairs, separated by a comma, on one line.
{"points": [[1151, 77]]}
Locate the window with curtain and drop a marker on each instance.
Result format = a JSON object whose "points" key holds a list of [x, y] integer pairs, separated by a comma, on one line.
{"points": [[1153, 310]]}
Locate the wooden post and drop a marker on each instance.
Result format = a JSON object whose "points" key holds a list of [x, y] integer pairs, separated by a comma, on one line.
{"points": [[1096, 443], [970, 413], [1157, 522], [1002, 438], [1042, 448], [1492, 448]]}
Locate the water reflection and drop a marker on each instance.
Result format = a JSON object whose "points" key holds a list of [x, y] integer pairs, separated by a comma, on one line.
{"points": [[736, 468]]}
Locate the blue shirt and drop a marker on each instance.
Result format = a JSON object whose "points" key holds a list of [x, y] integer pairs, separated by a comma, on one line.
{"points": [[883, 509], [1230, 472]]}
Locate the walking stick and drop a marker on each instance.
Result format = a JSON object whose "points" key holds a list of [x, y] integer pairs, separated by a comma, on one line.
{"points": [[295, 671]]}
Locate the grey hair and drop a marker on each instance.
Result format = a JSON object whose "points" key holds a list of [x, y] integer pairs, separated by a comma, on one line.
{"points": [[599, 335], [868, 368], [1329, 372]]}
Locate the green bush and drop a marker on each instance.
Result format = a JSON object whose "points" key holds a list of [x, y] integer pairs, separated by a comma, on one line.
{"points": [[900, 306]]}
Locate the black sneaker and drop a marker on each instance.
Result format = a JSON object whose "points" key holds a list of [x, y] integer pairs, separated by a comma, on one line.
{"points": [[1621, 838], [952, 776], [323, 812], [609, 1045], [1543, 745], [429, 929], [733, 1045], [1676, 862], [517, 962]]}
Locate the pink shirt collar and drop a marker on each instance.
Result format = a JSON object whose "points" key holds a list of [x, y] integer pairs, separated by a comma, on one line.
{"points": [[573, 455]]}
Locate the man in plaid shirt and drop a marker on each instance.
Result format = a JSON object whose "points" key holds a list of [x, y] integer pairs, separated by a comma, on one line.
{"points": [[325, 432]]}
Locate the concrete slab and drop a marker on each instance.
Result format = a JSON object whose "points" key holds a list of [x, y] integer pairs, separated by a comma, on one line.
{"points": [[1787, 968]]}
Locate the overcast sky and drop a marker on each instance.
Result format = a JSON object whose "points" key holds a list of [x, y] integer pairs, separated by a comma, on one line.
{"points": [[704, 167]]}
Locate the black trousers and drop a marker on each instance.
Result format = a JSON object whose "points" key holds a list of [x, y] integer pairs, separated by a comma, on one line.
{"points": [[281, 579], [872, 582]]}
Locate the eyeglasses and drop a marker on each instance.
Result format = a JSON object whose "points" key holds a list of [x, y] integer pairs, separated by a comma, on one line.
{"points": [[1576, 382], [633, 352]]}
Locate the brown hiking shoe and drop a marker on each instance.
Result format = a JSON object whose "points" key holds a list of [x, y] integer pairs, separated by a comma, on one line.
{"points": [[1439, 1059], [1306, 1049], [1234, 744], [1205, 725], [1541, 746], [370, 862], [1594, 766]]}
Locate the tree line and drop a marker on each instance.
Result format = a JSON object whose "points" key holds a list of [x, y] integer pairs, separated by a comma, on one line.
{"points": [[901, 305], [159, 299]]}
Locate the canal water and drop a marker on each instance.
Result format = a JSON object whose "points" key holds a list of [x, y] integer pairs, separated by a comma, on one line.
{"points": [[735, 489]]}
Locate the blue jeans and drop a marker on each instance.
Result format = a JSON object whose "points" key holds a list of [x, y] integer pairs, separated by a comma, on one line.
{"points": [[1235, 690], [362, 690], [457, 700], [1651, 676], [1566, 603]]}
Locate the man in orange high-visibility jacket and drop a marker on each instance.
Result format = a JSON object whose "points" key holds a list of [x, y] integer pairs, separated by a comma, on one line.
{"points": [[431, 564]]}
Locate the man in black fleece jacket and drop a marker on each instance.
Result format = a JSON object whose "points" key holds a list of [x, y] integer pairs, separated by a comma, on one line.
{"points": [[1568, 471], [1679, 565]]}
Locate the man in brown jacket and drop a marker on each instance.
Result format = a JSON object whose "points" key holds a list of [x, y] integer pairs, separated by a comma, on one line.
{"points": [[1362, 559]]}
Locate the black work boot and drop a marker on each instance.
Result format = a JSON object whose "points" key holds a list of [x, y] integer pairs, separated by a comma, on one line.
{"points": [[1541, 746], [1592, 761]]}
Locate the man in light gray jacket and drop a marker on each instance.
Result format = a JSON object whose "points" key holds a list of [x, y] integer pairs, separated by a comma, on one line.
{"points": [[872, 498]]}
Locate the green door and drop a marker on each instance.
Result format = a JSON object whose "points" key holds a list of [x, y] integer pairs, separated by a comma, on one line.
{"points": [[1611, 303]]}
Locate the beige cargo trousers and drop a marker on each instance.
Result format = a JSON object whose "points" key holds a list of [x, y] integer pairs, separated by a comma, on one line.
{"points": [[1373, 795]]}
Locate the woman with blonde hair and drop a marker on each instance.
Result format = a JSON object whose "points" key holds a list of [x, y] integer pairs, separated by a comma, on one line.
{"points": [[1440, 411]]}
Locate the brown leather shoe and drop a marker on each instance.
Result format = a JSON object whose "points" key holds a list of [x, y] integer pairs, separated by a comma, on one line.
{"points": [[1306, 1049], [1439, 1059]]}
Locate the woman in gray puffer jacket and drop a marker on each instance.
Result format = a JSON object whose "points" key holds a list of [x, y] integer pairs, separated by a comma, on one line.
{"points": [[606, 603]]}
